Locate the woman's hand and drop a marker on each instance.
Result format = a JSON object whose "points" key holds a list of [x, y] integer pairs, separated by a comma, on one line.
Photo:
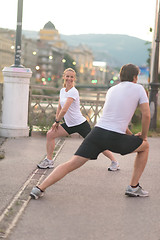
{"points": [[55, 126]]}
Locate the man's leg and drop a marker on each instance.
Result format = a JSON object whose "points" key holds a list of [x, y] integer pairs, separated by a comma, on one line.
{"points": [[60, 171], [140, 162]]}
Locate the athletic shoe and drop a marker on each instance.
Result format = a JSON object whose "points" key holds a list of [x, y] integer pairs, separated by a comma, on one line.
{"points": [[114, 166], [136, 192], [36, 193], [46, 164]]}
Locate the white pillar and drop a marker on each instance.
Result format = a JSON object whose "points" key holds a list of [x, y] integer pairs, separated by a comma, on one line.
{"points": [[15, 102]]}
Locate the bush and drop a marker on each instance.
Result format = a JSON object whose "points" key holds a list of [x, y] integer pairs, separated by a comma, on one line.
{"points": [[136, 119]]}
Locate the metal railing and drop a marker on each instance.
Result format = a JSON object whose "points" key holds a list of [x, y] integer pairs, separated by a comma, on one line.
{"points": [[43, 102]]}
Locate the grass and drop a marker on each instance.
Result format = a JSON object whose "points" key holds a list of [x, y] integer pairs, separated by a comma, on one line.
{"points": [[136, 124], [151, 133]]}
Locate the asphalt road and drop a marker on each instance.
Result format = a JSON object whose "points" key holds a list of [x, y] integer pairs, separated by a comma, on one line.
{"points": [[89, 203]]}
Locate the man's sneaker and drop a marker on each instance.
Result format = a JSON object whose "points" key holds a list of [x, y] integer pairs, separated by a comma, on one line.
{"points": [[114, 166], [46, 164], [136, 192], [36, 193]]}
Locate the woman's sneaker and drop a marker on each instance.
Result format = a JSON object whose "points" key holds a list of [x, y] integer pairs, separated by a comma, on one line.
{"points": [[36, 193], [46, 164], [114, 166], [136, 192]]}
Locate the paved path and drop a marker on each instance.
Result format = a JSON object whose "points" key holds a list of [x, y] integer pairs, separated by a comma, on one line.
{"points": [[89, 203]]}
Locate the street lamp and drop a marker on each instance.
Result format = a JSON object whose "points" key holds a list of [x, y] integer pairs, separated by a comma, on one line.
{"points": [[17, 62], [15, 106], [154, 70]]}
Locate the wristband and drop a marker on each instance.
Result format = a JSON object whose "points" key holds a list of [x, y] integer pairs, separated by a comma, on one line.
{"points": [[57, 121]]}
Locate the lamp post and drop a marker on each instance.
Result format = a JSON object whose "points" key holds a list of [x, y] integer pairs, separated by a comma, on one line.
{"points": [[14, 121], [17, 62], [154, 70]]}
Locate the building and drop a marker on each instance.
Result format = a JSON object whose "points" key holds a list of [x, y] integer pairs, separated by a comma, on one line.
{"points": [[99, 72], [29, 55], [49, 63], [7, 52], [45, 56], [83, 58], [51, 35], [6, 49]]}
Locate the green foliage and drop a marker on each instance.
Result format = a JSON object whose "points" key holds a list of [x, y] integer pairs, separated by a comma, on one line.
{"points": [[149, 53], [136, 124], [136, 119], [36, 92], [42, 125], [69, 62], [49, 92]]}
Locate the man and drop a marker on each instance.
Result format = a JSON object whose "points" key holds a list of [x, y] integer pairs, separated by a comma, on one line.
{"points": [[112, 133]]}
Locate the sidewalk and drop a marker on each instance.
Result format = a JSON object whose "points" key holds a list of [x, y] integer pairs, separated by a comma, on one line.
{"points": [[87, 204]]}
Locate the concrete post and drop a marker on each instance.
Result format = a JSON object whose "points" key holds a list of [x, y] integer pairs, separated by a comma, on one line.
{"points": [[1, 98], [15, 102]]}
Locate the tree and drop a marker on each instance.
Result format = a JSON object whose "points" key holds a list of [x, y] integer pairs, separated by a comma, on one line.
{"points": [[69, 62]]}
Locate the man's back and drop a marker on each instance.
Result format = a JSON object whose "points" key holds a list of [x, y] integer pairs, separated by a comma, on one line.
{"points": [[121, 103]]}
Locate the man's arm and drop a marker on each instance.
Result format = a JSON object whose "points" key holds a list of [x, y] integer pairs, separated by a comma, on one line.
{"points": [[128, 132], [145, 110]]}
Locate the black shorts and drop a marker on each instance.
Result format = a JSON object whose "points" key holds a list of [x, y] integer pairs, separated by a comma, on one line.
{"points": [[99, 140], [83, 129]]}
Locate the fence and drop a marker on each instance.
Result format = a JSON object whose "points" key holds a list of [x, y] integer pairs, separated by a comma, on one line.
{"points": [[43, 102]]}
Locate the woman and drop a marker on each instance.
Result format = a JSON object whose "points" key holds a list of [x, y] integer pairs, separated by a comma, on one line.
{"points": [[75, 122]]}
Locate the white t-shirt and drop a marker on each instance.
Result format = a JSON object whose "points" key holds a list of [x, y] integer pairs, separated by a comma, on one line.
{"points": [[73, 116], [120, 105]]}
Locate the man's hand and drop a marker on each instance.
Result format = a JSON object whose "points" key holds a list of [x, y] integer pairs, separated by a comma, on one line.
{"points": [[139, 134]]}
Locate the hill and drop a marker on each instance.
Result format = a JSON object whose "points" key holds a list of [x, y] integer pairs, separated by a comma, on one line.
{"points": [[30, 34], [115, 49]]}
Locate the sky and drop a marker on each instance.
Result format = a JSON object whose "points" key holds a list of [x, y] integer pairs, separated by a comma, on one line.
{"points": [[129, 17]]}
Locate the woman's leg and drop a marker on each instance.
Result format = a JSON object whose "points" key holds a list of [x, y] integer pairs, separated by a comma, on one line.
{"points": [[51, 135], [114, 166], [109, 154]]}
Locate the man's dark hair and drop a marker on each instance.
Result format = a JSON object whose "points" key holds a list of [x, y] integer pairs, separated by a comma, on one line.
{"points": [[128, 71]]}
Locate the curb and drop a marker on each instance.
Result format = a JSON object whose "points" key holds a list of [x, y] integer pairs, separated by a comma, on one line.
{"points": [[2, 152], [15, 208]]}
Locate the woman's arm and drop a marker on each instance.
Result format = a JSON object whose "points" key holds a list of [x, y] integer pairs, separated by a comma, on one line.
{"points": [[58, 109], [62, 111]]}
